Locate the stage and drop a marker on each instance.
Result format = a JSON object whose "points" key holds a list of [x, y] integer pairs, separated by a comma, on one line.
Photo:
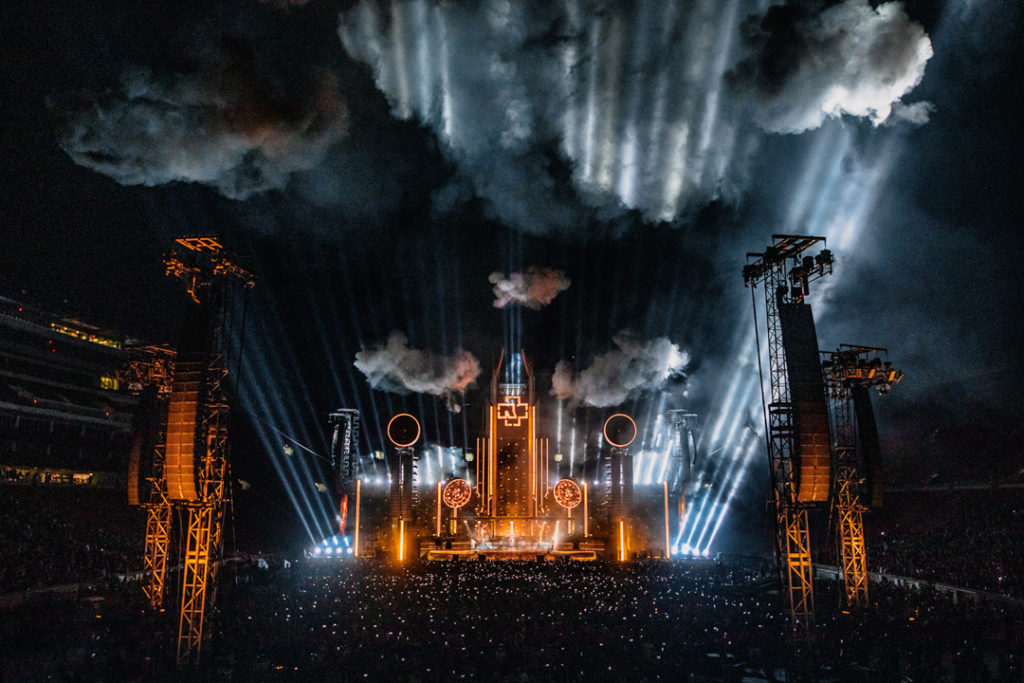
{"points": [[508, 554], [586, 551]]}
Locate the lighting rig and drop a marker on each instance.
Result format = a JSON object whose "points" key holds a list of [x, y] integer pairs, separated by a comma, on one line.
{"points": [[797, 448], [685, 424], [344, 462], [849, 372], [195, 452]]}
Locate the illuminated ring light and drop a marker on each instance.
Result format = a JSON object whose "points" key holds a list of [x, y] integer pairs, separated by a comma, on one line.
{"points": [[456, 493], [403, 430], [567, 493], [619, 430]]}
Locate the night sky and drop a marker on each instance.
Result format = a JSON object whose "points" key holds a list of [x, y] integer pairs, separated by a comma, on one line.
{"points": [[375, 164]]}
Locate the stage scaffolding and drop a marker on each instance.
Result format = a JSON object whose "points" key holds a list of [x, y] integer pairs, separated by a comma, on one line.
{"points": [[785, 276]]}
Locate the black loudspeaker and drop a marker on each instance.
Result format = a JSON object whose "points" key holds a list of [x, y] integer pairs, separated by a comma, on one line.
{"points": [[811, 456], [869, 447], [144, 436]]}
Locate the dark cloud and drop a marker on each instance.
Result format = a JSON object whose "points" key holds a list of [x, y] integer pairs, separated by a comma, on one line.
{"points": [[556, 113], [229, 126], [808, 62]]}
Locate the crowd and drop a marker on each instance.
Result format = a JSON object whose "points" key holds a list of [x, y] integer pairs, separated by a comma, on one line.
{"points": [[55, 536], [513, 621], [970, 539], [519, 621]]}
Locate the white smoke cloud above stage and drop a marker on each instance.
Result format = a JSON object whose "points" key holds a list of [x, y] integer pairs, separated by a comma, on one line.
{"points": [[396, 368], [644, 106], [535, 288], [228, 128], [624, 99], [636, 366], [849, 58]]}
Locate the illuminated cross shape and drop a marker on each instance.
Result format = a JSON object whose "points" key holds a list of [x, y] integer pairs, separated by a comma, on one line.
{"points": [[512, 412]]}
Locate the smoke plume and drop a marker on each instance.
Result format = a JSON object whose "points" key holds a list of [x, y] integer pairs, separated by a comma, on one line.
{"points": [[396, 368], [554, 113], [635, 367], [807, 64], [623, 100], [535, 288], [228, 127]]}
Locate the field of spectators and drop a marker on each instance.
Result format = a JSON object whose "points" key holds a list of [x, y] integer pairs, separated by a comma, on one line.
{"points": [[967, 538], [512, 621], [54, 535]]}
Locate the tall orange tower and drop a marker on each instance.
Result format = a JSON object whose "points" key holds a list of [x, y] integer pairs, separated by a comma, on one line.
{"points": [[195, 453], [512, 477]]}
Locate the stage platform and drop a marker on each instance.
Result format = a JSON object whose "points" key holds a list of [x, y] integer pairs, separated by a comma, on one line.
{"points": [[461, 549], [508, 555]]}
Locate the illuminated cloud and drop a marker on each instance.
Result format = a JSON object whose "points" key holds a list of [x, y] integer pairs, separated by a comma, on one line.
{"points": [[228, 128], [623, 100], [636, 366], [916, 113], [535, 288], [629, 102], [396, 368], [807, 64]]}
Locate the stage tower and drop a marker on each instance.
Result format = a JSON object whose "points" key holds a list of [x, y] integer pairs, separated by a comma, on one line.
{"points": [[849, 372], [512, 478], [797, 415]]}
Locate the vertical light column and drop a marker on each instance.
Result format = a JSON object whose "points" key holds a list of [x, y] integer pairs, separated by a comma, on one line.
{"points": [[586, 512], [492, 464], [438, 508], [531, 507], [668, 542], [480, 455], [682, 514], [355, 533], [401, 540]]}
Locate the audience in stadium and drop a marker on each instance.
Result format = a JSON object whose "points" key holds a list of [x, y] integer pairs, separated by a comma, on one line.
{"points": [[64, 535], [964, 539], [512, 621]]}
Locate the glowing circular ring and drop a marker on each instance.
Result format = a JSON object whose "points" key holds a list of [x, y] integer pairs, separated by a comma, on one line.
{"points": [[456, 493], [403, 430], [567, 493], [622, 429]]}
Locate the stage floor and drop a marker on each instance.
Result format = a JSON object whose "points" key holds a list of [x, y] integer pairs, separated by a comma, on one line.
{"points": [[509, 555]]}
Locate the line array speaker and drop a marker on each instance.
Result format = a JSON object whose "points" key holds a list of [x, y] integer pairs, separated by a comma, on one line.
{"points": [[812, 458]]}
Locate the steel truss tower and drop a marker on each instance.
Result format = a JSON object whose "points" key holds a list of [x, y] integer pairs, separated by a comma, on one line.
{"points": [[845, 370], [158, 536], [785, 277], [151, 369], [202, 413], [204, 535]]}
